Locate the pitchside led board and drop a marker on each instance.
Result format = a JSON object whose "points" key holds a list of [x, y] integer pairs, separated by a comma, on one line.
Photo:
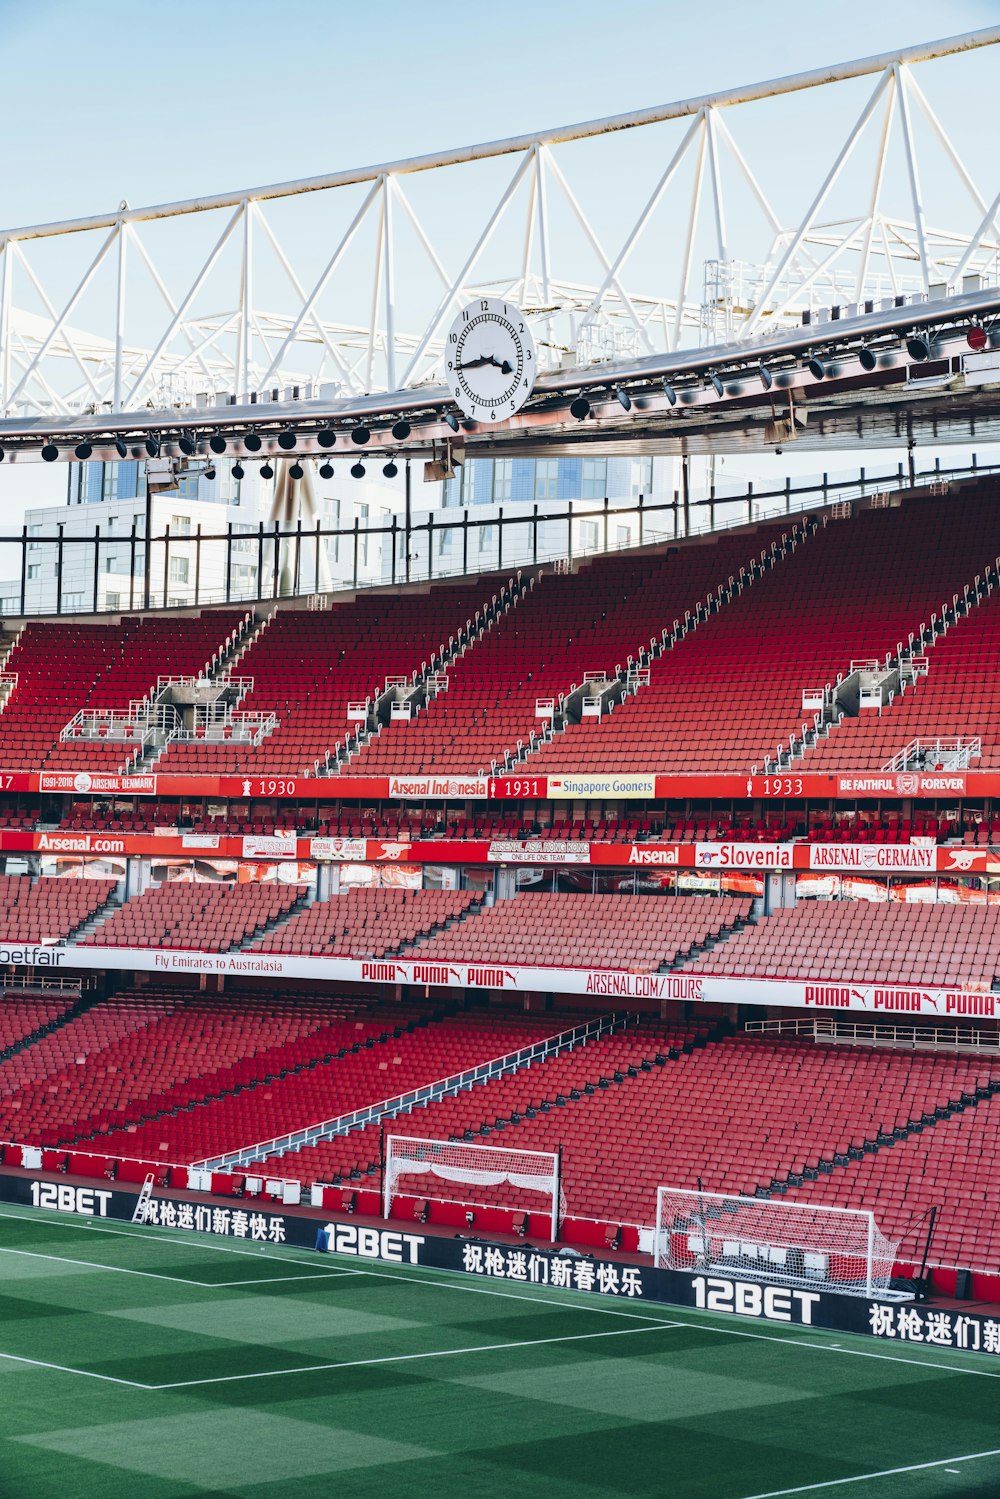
{"points": [[765, 1302]]}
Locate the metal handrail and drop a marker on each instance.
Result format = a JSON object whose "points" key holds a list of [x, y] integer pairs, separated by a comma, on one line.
{"points": [[872, 1033], [761, 506], [402, 1103]]}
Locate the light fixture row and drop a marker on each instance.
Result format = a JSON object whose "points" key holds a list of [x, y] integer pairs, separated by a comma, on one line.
{"points": [[920, 346]]}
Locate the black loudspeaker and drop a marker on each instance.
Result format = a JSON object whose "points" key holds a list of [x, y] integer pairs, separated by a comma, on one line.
{"points": [[963, 1285]]}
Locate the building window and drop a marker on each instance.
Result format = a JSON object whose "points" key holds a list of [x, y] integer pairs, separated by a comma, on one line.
{"points": [[72, 601], [179, 567], [642, 483], [180, 525], [624, 536], [9, 606], [362, 514], [485, 538], [546, 478], [594, 484], [588, 534], [122, 481], [503, 478], [113, 601], [34, 569]]}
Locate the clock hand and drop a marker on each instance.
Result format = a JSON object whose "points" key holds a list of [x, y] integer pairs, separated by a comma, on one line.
{"points": [[473, 364]]}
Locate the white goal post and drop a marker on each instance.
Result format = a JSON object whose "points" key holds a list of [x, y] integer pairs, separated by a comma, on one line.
{"points": [[769, 1238], [470, 1164]]}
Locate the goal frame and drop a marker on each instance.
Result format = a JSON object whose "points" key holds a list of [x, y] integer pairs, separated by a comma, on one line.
{"points": [[550, 1182], [869, 1243]]}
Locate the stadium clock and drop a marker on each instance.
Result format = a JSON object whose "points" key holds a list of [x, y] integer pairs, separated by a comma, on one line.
{"points": [[490, 360]]}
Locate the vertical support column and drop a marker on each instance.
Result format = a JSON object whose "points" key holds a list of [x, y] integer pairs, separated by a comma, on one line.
{"points": [[242, 371], [388, 286], [123, 231], [6, 272]]}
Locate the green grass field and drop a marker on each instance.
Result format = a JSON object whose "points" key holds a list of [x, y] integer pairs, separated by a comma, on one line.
{"points": [[134, 1362]]}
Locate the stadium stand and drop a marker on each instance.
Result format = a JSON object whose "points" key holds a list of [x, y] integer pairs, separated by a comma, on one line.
{"points": [[369, 923], [742, 1115], [939, 945], [307, 665], [854, 592], [641, 932], [213, 918], [49, 910], [596, 621], [958, 698], [63, 668], [189, 1047], [952, 1165], [328, 1087]]}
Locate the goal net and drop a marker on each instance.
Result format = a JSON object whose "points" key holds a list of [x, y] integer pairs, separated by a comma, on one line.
{"points": [[798, 1243], [415, 1165]]}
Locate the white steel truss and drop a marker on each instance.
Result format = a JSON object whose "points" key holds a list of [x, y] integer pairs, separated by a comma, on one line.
{"points": [[342, 286]]}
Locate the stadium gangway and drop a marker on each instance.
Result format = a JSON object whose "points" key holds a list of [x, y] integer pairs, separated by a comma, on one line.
{"points": [[871, 1033], [404, 1103]]}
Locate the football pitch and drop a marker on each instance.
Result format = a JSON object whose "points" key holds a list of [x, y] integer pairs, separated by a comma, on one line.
{"points": [[135, 1362]]}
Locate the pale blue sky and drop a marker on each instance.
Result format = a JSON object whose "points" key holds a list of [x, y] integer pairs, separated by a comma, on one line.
{"points": [[150, 102]]}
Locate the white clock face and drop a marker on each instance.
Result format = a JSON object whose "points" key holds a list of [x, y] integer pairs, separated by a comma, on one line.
{"points": [[490, 360]]}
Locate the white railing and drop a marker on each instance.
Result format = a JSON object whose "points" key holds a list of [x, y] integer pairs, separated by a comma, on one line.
{"points": [[117, 726], [870, 1033], [950, 754], [403, 1103]]}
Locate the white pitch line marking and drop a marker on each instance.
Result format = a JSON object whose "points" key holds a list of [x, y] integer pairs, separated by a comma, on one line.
{"points": [[403, 1358], [832, 1483], [38, 1363], [428, 1279], [58, 1220], [179, 1280]]}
